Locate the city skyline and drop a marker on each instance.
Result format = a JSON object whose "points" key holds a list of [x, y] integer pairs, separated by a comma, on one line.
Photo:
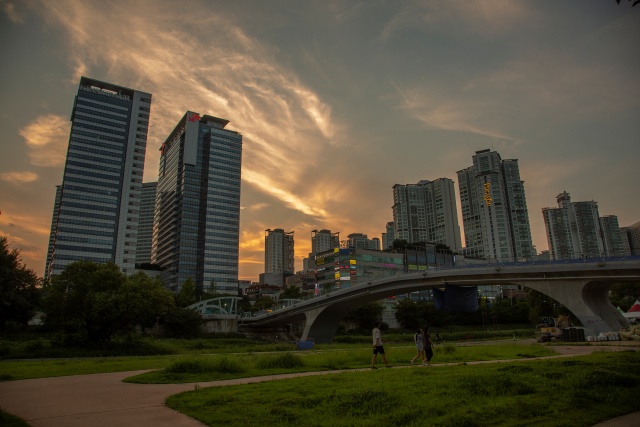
{"points": [[337, 102]]}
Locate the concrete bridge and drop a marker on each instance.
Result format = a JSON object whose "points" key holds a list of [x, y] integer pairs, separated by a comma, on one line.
{"points": [[580, 285]]}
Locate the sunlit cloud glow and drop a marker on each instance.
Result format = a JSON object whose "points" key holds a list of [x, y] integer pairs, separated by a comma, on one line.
{"points": [[18, 177], [47, 138]]}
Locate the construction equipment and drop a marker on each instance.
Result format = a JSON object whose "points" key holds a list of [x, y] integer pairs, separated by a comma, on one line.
{"points": [[551, 329]]}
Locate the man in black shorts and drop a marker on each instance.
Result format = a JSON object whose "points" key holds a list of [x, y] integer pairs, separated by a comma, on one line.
{"points": [[377, 347], [428, 351]]}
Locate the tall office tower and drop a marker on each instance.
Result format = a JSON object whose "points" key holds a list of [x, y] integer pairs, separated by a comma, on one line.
{"points": [[99, 199], [197, 215], [494, 209], [145, 222], [427, 212], [323, 240], [278, 252], [611, 236], [389, 236], [573, 229], [54, 222]]}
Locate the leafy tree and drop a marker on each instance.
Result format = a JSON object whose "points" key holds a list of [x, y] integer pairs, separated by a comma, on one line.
{"points": [[413, 315], [182, 322], [98, 300], [187, 294], [367, 314], [210, 292], [292, 292], [19, 290], [625, 294], [540, 305], [409, 314], [244, 304], [263, 303]]}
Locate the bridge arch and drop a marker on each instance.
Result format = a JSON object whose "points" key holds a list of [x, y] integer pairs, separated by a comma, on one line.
{"points": [[582, 287]]}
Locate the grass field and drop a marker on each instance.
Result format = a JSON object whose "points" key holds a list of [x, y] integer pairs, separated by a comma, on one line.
{"points": [[341, 356], [566, 392], [580, 391], [221, 367]]}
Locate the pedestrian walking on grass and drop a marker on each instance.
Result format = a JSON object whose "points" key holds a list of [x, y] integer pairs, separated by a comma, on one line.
{"points": [[428, 351], [377, 347], [418, 339]]}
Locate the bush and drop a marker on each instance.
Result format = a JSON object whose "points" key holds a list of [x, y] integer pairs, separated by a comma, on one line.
{"points": [[284, 361]]}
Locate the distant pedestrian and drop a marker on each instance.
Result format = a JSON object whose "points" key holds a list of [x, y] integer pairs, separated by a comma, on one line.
{"points": [[418, 339], [428, 351], [377, 347], [437, 338]]}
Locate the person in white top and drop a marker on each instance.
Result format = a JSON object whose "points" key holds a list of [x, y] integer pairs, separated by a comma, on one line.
{"points": [[378, 348], [418, 340]]}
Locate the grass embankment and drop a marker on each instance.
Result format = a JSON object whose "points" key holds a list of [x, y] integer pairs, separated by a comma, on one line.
{"points": [[212, 366], [216, 367], [580, 391]]}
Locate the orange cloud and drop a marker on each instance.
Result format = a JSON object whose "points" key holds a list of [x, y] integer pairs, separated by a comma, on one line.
{"points": [[47, 139], [19, 177]]}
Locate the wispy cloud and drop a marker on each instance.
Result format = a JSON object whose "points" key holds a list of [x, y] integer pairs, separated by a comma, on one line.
{"points": [[19, 177], [452, 112], [47, 138], [9, 8], [233, 76], [485, 18], [255, 207]]}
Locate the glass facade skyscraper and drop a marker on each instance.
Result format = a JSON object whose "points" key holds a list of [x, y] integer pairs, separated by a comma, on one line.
{"points": [[97, 212], [197, 211], [494, 209], [145, 223]]}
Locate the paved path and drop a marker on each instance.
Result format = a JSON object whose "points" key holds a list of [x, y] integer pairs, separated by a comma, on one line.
{"points": [[104, 400]]}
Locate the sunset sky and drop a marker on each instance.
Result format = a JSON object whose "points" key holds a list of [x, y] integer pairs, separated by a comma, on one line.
{"points": [[337, 101]]}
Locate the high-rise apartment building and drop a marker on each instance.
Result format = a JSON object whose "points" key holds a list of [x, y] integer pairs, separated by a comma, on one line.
{"points": [[427, 212], [145, 222], [324, 240], [362, 241], [611, 236], [574, 229], [632, 236], [494, 209], [197, 210], [278, 252], [389, 236], [97, 213]]}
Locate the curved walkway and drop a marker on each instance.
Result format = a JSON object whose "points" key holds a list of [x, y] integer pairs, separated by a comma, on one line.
{"points": [[99, 400]]}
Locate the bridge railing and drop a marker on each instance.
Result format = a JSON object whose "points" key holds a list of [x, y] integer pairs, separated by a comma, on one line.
{"points": [[467, 264]]}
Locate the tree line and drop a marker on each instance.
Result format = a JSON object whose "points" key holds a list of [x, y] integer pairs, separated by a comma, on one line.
{"points": [[93, 302]]}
